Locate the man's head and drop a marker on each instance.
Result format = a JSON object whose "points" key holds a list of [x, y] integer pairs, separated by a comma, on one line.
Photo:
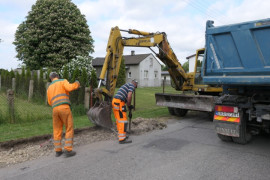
{"points": [[135, 83], [53, 75]]}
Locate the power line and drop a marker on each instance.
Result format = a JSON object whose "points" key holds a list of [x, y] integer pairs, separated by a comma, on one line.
{"points": [[214, 12], [202, 11]]}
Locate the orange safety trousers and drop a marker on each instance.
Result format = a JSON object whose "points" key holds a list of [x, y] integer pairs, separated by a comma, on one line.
{"points": [[62, 116], [120, 114]]}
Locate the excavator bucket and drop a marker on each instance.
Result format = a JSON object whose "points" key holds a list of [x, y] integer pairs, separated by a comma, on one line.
{"points": [[100, 114]]}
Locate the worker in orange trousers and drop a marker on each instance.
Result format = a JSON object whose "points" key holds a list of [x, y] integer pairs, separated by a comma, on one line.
{"points": [[58, 98], [121, 98]]}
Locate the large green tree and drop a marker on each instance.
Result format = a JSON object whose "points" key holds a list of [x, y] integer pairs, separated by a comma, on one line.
{"points": [[53, 33]]}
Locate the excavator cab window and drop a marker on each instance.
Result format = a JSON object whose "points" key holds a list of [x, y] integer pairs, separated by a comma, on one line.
{"points": [[198, 77]]}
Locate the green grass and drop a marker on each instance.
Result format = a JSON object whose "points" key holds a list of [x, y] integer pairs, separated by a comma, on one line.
{"points": [[40, 121], [36, 128]]}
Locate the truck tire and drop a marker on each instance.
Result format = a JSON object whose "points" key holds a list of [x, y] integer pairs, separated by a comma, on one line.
{"points": [[245, 136], [171, 111], [211, 115], [224, 138], [180, 112]]}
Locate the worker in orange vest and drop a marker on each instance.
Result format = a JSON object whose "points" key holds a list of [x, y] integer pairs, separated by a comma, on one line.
{"points": [[58, 98], [121, 98]]}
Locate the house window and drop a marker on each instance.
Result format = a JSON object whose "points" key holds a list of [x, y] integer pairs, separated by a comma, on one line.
{"points": [[151, 61], [145, 74], [129, 74], [156, 74]]}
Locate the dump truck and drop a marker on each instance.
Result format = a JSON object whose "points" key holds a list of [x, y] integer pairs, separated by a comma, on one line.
{"points": [[237, 57], [203, 95]]}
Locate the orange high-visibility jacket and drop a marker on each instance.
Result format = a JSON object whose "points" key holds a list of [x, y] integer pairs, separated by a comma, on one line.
{"points": [[58, 91]]}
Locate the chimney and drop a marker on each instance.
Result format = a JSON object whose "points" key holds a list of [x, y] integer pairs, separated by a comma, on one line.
{"points": [[132, 53]]}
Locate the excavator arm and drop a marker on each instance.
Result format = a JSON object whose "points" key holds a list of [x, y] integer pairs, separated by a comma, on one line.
{"points": [[100, 113]]}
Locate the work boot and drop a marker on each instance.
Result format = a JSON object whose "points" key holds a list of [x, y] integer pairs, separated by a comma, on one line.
{"points": [[69, 153], [58, 153], [125, 141]]}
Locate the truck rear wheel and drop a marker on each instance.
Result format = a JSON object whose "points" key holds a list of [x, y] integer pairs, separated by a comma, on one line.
{"points": [[211, 115], [244, 135], [180, 112], [224, 138], [171, 111]]}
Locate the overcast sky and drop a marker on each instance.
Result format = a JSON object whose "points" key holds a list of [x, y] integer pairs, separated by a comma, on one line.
{"points": [[182, 20]]}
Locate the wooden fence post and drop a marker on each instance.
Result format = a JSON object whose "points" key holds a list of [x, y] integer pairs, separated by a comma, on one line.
{"points": [[47, 86], [11, 111], [86, 97], [31, 90], [14, 84]]}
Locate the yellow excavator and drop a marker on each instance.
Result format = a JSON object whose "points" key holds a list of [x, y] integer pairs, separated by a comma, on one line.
{"points": [[201, 100]]}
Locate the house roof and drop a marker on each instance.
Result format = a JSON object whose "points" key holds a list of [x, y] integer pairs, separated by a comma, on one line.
{"points": [[165, 73], [129, 59], [190, 56]]}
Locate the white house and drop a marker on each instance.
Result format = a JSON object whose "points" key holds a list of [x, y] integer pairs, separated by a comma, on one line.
{"points": [[191, 62], [145, 68]]}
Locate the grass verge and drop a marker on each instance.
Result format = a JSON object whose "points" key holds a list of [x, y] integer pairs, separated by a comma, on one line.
{"points": [[35, 126]]}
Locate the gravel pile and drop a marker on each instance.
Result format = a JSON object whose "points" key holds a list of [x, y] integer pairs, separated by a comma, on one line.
{"points": [[14, 152]]}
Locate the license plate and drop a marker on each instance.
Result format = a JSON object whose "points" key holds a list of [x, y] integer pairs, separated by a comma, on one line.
{"points": [[227, 129], [227, 114]]}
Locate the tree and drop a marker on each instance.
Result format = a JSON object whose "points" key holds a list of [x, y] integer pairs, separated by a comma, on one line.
{"points": [[65, 73], [79, 63], [53, 33], [199, 63], [186, 66], [93, 79], [41, 84], [164, 68], [121, 79], [27, 78], [48, 75], [74, 95], [84, 78], [76, 74]]}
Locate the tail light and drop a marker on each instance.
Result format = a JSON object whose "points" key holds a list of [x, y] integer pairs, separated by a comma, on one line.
{"points": [[229, 109]]}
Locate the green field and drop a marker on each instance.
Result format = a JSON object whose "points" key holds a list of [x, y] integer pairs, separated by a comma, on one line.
{"points": [[39, 121]]}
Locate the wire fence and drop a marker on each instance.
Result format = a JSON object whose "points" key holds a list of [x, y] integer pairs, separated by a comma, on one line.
{"points": [[23, 99]]}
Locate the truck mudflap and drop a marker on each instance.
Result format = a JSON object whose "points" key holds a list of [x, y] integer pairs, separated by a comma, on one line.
{"points": [[227, 128], [227, 120], [183, 101]]}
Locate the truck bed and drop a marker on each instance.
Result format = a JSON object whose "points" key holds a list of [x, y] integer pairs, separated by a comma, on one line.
{"points": [[237, 54]]}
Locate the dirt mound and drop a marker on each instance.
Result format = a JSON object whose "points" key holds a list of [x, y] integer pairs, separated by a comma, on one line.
{"points": [[18, 151], [142, 125]]}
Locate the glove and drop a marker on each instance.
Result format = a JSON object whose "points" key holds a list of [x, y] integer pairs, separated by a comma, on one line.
{"points": [[130, 107]]}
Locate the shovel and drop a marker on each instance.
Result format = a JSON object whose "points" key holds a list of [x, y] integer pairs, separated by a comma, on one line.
{"points": [[129, 119]]}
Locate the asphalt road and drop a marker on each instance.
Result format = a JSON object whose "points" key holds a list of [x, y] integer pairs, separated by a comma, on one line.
{"points": [[187, 149]]}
